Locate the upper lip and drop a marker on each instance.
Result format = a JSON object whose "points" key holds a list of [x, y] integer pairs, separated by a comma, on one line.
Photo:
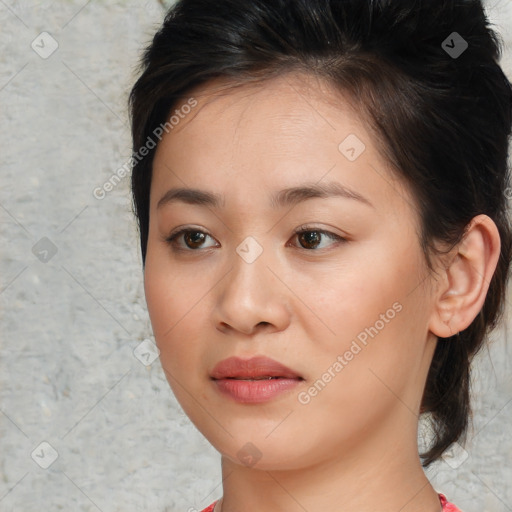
{"points": [[258, 366]]}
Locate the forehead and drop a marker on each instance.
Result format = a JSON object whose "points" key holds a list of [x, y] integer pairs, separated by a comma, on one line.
{"points": [[272, 134], [293, 96], [277, 121]]}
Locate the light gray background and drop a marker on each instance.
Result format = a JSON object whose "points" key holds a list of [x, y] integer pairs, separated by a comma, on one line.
{"points": [[69, 326]]}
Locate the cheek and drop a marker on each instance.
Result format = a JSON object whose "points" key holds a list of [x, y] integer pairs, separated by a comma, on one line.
{"points": [[163, 305], [380, 372], [168, 313], [174, 301], [165, 308], [370, 381], [363, 296], [377, 316], [170, 295]]}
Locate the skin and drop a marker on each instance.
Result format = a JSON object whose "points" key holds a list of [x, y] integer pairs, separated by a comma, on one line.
{"points": [[354, 445]]}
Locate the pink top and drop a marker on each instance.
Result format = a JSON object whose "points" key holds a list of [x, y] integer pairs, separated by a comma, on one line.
{"points": [[447, 507]]}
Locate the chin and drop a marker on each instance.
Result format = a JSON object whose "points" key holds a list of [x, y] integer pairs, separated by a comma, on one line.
{"points": [[256, 452]]}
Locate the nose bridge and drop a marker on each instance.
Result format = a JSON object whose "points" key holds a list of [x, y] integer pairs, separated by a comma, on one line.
{"points": [[250, 294], [249, 250], [249, 272]]}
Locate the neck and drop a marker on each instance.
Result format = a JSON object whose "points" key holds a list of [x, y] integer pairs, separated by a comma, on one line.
{"points": [[360, 480]]}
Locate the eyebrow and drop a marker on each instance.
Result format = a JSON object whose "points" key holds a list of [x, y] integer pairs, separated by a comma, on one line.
{"points": [[286, 197]]}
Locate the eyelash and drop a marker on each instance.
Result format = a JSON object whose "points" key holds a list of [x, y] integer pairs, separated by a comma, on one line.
{"points": [[171, 239]]}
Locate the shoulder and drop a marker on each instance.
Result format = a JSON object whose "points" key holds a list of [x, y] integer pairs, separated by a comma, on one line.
{"points": [[447, 506]]}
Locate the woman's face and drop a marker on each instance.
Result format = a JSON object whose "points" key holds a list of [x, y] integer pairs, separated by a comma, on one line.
{"points": [[344, 305]]}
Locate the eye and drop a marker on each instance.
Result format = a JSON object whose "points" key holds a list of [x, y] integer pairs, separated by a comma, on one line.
{"points": [[193, 238], [310, 238]]}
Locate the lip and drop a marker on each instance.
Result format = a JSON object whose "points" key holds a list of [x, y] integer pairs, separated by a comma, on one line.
{"points": [[231, 377], [258, 366]]}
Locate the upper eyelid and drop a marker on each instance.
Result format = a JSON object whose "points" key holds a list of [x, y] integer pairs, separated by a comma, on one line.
{"points": [[302, 227]]}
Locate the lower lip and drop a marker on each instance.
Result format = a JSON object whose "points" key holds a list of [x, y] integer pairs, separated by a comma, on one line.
{"points": [[255, 391]]}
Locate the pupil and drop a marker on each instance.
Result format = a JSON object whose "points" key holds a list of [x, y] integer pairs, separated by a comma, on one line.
{"points": [[195, 238], [311, 237]]}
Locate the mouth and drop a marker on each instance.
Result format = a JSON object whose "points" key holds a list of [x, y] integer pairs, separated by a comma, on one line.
{"points": [[253, 369], [254, 381], [259, 378]]}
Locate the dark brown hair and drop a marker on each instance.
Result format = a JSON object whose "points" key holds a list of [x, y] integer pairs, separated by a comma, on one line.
{"points": [[425, 77]]}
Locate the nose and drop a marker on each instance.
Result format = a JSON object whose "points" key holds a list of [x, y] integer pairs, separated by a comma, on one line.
{"points": [[252, 298]]}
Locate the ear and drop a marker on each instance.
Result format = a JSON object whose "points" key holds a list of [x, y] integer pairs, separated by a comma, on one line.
{"points": [[464, 282]]}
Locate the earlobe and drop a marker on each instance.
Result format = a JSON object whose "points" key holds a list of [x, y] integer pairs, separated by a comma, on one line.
{"points": [[466, 278]]}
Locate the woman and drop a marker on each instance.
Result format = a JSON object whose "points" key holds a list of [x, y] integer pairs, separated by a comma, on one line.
{"points": [[325, 238]]}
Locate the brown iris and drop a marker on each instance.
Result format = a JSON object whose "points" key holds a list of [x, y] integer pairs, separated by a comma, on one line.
{"points": [[310, 237], [194, 239]]}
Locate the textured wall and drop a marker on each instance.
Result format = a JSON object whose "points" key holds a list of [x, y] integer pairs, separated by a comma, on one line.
{"points": [[71, 294]]}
